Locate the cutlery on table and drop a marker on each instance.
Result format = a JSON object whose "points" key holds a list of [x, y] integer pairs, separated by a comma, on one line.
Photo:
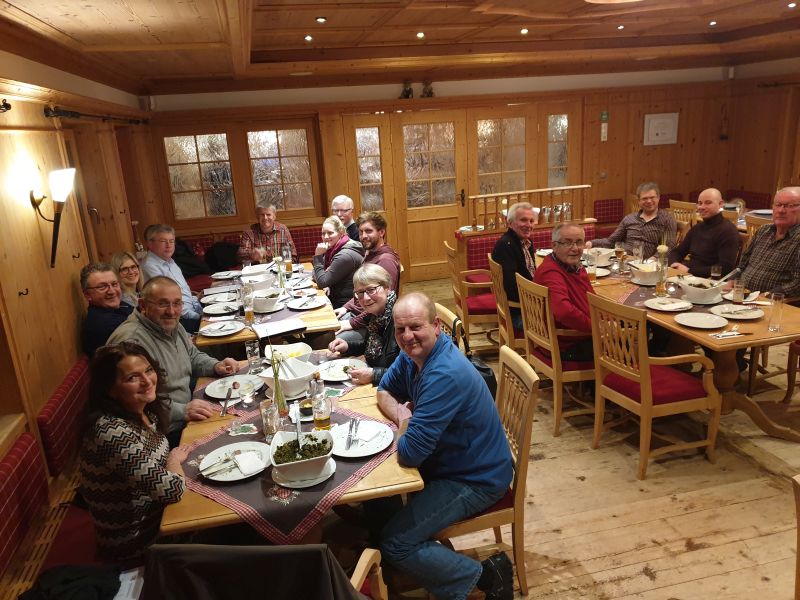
{"points": [[307, 300], [221, 464], [736, 272], [349, 441], [224, 410], [355, 432]]}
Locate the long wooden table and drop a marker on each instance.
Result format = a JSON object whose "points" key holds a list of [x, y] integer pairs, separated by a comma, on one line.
{"points": [[195, 512], [726, 371]]}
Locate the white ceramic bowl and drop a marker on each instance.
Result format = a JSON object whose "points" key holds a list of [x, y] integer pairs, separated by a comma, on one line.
{"points": [[298, 350], [699, 295], [646, 274], [301, 469], [602, 256], [265, 300], [292, 385]]}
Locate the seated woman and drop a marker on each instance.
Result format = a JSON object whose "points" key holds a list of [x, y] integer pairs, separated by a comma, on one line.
{"points": [[128, 472], [126, 267], [372, 285], [335, 261]]}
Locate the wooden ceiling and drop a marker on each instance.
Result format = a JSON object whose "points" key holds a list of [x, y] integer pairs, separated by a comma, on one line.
{"points": [[183, 46]]}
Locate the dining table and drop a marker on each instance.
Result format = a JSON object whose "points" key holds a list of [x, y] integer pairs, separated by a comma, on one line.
{"points": [[755, 333], [196, 512]]}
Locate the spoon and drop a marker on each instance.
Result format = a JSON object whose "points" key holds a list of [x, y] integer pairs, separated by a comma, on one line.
{"points": [[733, 273]]}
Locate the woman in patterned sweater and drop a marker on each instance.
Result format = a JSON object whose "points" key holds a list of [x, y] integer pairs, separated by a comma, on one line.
{"points": [[128, 472]]}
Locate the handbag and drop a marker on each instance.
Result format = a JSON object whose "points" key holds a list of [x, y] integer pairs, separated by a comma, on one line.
{"points": [[484, 370]]}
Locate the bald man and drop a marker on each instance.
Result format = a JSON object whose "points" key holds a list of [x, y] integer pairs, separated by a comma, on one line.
{"points": [[714, 241]]}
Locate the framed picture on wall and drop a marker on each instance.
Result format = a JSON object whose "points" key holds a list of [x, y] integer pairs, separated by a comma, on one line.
{"points": [[660, 128]]}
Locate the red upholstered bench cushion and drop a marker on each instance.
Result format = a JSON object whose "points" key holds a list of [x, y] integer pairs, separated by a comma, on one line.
{"points": [[753, 200], [479, 278], [200, 243], [305, 240], [75, 542], [481, 304], [59, 420], [566, 365], [669, 385], [477, 249], [23, 493], [610, 210]]}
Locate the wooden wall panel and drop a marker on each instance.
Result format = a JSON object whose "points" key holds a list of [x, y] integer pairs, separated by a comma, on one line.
{"points": [[333, 159], [137, 161]]}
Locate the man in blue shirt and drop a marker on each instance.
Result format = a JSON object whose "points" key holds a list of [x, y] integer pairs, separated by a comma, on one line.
{"points": [[161, 246], [455, 438]]}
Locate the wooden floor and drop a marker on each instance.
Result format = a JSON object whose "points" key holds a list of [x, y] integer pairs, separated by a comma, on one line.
{"points": [[690, 530]]}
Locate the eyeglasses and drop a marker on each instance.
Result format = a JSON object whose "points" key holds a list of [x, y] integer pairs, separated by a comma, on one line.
{"points": [[129, 269], [648, 198], [786, 206], [104, 287], [571, 243], [370, 291], [169, 242], [342, 210], [178, 304]]}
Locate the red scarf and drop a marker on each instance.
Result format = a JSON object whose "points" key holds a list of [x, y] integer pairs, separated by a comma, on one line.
{"points": [[336, 247]]}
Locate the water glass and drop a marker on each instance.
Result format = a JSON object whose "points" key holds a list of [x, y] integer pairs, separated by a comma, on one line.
{"points": [[737, 295], [777, 309], [270, 419], [247, 393], [638, 252], [253, 357], [591, 267]]}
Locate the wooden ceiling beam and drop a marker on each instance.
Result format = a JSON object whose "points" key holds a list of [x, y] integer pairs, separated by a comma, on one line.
{"points": [[238, 27], [177, 47]]}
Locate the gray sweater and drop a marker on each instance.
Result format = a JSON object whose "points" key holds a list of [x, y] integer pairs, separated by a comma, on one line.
{"points": [[339, 274], [176, 354]]}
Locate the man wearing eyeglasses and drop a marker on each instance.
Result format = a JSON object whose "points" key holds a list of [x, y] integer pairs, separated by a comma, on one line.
{"points": [[156, 325], [342, 207], [568, 284], [161, 246], [106, 311]]}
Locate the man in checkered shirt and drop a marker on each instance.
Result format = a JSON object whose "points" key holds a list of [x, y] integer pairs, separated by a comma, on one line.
{"points": [[263, 240]]}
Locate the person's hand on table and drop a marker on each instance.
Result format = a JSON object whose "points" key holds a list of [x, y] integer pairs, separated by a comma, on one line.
{"points": [[199, 410], [680, 267], [339, 311], [227, 366], [258, 255], [344, 326], [176, 456], [361, 376], [338, 346]]}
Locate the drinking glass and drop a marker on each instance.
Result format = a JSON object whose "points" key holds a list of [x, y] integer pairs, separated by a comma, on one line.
{"points": [[270, 419], [716, 272], [253, 356], [737, 296], [591, 267], [247, 392], [322, 413], [777, 309], [638, 252]]}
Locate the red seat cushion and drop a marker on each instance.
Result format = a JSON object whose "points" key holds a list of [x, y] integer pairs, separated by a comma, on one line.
{"points": [[481, 304], [60, 419], [519, 333], [74, 543], [479, 278], [306, 239], [507, 501], [566, 365], [669, 385]]}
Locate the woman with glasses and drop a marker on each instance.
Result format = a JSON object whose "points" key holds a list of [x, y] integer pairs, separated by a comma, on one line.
{"points": [[372, 284], [336, 259], [126, 267]]}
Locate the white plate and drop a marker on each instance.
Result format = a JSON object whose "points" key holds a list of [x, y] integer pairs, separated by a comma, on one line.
{"points": [[668, 304], [332, 371], [226, 275], [278, 306], [379, 435], [327, 471], [469, 228], [306, 304], [287, 397], [235, 474], [725, 310], [257, 278], [222, 329], [544, 252], [752, 296], [254, 269], [221, 308], [600, 272], [302, 284], [762, 212], [716, 300], [219, 389], [224, 297], [701, 320], [294, 410], [295, 267]]}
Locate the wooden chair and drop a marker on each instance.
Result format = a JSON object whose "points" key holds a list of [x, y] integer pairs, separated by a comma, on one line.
{"points": [[475, 302], [644, 385], [508, 335], [791, 372], [450, 322], [684, 212], [516, 403], [754, 223], [543, 353], [796, 486]]}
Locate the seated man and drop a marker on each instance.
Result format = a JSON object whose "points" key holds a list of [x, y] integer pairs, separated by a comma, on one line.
{"points": [[161, 246], [106, 311], [568, 283], [647, 227], [263, 240], [714, 241], [155, 325], [771, 263], [456, 439], [514, 252], [342, 207]]}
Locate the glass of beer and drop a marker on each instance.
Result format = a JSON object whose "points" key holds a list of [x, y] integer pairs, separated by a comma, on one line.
{"points": [[591, 267], [322, 413]]}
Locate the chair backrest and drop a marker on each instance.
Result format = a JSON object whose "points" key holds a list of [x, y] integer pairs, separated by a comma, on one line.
{"points": [[680, 231], [732, 216], [504, 325], [684, 212], [754, 223], [516, 403], [451, 324], [538, 320], [452, 265]]}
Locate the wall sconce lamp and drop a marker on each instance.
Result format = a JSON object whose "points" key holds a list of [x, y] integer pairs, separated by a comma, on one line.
{"points": [[60, 187]]}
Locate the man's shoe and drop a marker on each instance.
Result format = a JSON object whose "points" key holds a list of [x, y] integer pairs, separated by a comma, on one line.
{"points": [[501, 586]]}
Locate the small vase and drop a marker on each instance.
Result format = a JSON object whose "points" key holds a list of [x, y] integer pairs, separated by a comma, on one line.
{"points": [[280, 399]]}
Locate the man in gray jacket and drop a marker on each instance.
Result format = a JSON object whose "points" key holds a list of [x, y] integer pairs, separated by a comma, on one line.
{"points": [[156, 326]]}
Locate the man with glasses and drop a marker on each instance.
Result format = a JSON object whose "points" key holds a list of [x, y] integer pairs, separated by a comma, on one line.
{"points": [[342, 207], [568, 284], [156, 326], [648, 226], [160, 240], [106, 311], [263, 240]]}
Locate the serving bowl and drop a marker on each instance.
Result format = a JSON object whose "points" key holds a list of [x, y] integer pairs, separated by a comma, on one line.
{"points": [[298, 350], [294, 375], [602, 256], [265, 300], [301, 469], [699, 295], [644, 273]]}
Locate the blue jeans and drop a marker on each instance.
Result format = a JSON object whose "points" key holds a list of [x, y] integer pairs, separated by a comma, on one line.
{"points": [[406, 539], [516, 318]]}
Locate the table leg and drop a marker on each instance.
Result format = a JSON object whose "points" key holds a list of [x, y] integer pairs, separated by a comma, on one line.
{"points": [[726, 373]]}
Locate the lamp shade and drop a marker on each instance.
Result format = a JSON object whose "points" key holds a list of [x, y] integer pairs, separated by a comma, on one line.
{"points": [[61, 184]]}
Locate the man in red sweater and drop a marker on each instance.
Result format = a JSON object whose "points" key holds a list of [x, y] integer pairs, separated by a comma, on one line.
{"points": [[562, 273]]}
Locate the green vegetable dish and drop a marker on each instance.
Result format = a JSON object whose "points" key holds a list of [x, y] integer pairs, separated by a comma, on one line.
{"points": [[312, 448]]}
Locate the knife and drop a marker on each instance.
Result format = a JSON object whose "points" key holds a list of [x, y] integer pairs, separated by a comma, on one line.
{"points": [[355, 431], [349, 440], [225, 405]]}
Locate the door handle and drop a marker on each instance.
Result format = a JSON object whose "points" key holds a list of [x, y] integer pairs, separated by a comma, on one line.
{"points": [[95, 214], [463, 198]]}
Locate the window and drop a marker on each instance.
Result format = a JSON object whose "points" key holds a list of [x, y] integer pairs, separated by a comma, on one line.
{"points": [[200, 176], [370, 177], [430, 164], [281, 168], [557, 126], [501, 155]]}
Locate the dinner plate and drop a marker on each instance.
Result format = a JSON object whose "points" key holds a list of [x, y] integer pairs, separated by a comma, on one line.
{"points": [[298, 484], [333, 370], [280, 305], [301, 284], [253, 269], [762, 212], [226, 275], [668, 304], [222, 329], [221, 308], [256, 278], [716, 300], [307, 303], [737, 312], [218, 389], [373, 437], [701, 320], [600, 272], [295, 267], [294, 410], [750, 297], [235, 474], [268, 392], [224, 297], [544, 252]]}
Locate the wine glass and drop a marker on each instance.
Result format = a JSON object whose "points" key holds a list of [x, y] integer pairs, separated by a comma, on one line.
{"points": [[716, 272], [247, 393]]}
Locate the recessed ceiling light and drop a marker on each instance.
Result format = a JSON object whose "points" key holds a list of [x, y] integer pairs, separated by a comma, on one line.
{"points": [[524, 31], [322, 19], [792, 4], [420, 34], [712, 23], [620, 27], [308, 38]]}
